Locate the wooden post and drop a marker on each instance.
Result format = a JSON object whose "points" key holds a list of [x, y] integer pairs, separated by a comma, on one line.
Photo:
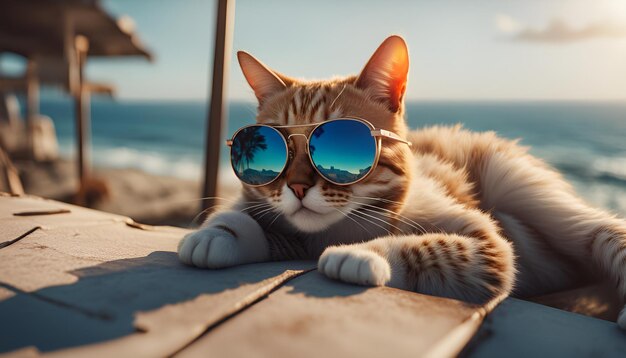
{"points": [[32, 90], [217, 107], [82, 108], [32, 103]]}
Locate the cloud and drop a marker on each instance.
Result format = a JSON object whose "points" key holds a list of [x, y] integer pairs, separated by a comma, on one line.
{"points": [[558, 31], [506, 24]]}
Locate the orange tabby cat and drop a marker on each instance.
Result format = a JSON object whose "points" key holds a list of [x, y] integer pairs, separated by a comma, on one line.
{"points": [[458, 214]]}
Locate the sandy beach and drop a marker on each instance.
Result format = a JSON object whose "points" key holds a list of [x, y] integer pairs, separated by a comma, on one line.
{"points": [[147, 198]]}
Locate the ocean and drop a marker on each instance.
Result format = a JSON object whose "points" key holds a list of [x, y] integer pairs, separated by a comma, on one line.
{"points": [[585, 141]]}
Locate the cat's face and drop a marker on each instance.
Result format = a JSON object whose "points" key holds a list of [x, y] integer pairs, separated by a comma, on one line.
{"points": [[305, 199]]}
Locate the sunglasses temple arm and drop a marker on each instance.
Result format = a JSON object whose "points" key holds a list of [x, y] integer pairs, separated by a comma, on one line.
{"points": [[389, 135], [229, 142]]}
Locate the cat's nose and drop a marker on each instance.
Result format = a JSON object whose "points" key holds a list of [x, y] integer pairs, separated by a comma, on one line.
{"points": [[299, 190]]}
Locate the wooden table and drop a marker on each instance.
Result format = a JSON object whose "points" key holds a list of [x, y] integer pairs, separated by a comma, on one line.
{"points": [[78, 282]]}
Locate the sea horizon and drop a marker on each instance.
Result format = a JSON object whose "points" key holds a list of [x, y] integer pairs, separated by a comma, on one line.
{"points": [[582, 139], [62, 97]]}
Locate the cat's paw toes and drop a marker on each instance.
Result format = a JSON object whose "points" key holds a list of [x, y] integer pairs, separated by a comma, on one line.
{"points": [[621, 319], [354, 265], [209, 248]]}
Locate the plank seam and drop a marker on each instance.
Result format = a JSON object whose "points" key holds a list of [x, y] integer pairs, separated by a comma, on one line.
{"points": [[250, 300], [88, 313], [11, 242]]}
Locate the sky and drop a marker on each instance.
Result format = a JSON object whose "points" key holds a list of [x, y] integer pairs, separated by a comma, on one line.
{"points": [[460, 50]]}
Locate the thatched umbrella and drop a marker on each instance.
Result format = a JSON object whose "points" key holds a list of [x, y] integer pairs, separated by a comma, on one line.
{"points": [[57, 37]]}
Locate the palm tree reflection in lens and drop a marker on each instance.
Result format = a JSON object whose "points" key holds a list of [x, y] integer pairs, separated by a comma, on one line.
{"points": [[255, 143], [248, 143]]}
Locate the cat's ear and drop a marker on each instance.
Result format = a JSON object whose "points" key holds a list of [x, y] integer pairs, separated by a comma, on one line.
{"points": [[385, 74], [264, 82]]}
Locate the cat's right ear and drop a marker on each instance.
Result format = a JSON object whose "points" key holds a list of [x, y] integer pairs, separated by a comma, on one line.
{"points": [[386, 72], [264, 82]]}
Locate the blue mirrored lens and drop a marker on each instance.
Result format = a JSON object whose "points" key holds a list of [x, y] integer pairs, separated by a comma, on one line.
{"points": [[258, 154], [343, 151]]}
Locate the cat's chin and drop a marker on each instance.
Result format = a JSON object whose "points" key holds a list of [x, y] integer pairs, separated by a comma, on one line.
{"points": [[311, 221]]}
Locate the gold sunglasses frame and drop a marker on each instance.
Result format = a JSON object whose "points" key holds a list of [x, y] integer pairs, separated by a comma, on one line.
{"points": [[376, 133]]}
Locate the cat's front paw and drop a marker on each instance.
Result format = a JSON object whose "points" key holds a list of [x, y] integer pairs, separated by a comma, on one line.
{"points": [[228, 238], [209, 248], [354, 265]]}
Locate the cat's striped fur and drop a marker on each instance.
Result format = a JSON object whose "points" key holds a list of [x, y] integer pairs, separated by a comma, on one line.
{"points": [[459, 214]]}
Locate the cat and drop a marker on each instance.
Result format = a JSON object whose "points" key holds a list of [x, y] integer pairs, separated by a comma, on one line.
{"points": [[458, 214]]}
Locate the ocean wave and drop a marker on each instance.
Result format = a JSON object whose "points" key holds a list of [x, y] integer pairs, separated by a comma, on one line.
{"points": [[611, 167], [607, 170], [157, 163], [585, 164], [150, 162]]}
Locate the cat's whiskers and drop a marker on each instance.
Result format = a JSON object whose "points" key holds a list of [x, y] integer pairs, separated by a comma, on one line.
{"points": [[258, 210], [193, 221], [356, 222], [396, 202], [378, 199], [262, 205], [216, 206], [214, 197], [379, 219], [224, 207], [393, 215], [211, 207], [336, 98], [273, 221], [363, 216], [358, 215], [262, 213]]}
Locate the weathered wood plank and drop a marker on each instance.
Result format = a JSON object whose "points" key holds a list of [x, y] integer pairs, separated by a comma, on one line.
{"points": [[13, 208], [150, 313], [169, 329], [519, 328], [65, 254], [103, 288], [313, 316], [28, 320]]}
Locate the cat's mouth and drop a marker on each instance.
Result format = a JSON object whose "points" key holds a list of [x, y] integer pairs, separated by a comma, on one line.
{"points": [[311, 214], [306, 213], [303, 210], [309, 220]]}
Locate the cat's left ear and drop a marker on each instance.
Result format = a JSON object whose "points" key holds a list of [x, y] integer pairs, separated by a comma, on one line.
{"points": [[385, 74], [263, 81]]}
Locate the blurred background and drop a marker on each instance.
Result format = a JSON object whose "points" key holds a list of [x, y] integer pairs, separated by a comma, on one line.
{"points": [[550, 73]]}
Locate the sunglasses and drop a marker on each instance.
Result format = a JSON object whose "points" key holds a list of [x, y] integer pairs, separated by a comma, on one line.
{"points": [[342, 151]]}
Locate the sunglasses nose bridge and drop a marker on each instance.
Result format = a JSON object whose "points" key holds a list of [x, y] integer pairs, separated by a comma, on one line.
{"points": [[306, 140], [296, 135]]}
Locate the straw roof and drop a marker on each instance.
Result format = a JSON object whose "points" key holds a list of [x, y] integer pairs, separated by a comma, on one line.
{"points": [[35, 28]]}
